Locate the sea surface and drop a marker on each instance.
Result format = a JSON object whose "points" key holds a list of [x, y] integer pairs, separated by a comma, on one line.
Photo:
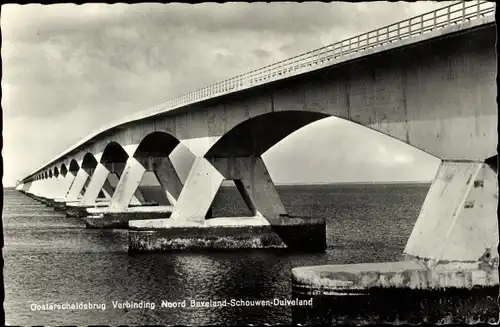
{"points": [[53, 259]]}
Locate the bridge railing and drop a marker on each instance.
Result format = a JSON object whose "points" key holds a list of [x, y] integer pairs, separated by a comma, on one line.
{"points": [[427, 22], [455, 13]]}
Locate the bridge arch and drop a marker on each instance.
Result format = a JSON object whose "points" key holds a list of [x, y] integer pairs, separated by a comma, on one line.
{"points": [[156, 144], [50, 173], [256, 135], [64, 170], [56, 172], [73, 167]]}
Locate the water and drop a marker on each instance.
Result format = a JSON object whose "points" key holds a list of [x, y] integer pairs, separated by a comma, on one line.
{"points": [[51, 258]]}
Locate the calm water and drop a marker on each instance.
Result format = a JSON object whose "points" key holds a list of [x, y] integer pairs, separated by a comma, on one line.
{"points": [[51, 258]]}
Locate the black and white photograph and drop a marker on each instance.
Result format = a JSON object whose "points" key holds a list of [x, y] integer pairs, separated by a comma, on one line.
{"points": [[234, 163]]}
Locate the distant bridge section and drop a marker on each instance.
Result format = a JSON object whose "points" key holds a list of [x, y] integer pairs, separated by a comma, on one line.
{"points": [[447, 20]]}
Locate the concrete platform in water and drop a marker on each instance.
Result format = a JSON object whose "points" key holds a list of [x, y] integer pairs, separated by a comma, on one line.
{"points": [[227, 233], [397, 292], [77, 209], [107, 218]]}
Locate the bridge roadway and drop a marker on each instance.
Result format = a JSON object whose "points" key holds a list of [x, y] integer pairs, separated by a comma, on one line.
{"points": [[429, 81]]}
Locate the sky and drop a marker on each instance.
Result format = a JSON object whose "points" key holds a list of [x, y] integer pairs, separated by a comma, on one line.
{"points": [[68, 69]]}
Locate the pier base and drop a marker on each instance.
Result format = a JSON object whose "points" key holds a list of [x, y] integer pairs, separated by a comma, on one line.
{"points": [[397, 292], [109, 218], [77, 209], [59, 205], [164, 235], [84, 210]]}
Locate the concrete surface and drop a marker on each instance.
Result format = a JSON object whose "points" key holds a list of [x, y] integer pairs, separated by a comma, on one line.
{"points": [[404, 292], [361, 278], [112, 218], [458, 220]]}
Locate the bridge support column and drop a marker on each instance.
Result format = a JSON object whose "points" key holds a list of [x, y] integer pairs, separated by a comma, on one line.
{"points": [[33, 187], [251, 178], [457, 222], [89, 182], [53, 189], [95, 186], [77, 185], [66, 186], [451, 271], [108, 189], [188, 228], [60, 186], [99, 181], [118, 214]]}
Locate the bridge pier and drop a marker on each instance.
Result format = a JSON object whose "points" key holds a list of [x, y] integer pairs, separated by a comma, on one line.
{"points": [[75, 189], [121, 208], [190, 226], [61, 188], [39, 190], [451, 256], [54, 184]]}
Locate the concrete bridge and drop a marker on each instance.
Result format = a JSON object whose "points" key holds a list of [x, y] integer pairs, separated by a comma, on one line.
{"points": [[429, 81]]}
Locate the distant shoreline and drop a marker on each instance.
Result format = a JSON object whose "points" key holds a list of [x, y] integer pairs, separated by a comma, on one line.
{"points": [[318, 184]]}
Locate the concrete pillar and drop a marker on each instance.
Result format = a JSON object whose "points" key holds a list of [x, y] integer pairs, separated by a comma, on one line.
{"points": [[54, 187], [45, 187], [96, 183], [62, 185], [27, 186], [127, 186], [206, 176], [33, 187], [68, 182], [36, 186], [138, 197], [458, 220], [77, 185]]}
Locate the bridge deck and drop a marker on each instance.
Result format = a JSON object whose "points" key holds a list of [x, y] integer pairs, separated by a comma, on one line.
{"points": [[446, 20]]}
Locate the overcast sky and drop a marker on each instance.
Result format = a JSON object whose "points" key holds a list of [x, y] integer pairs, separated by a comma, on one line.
{"points": [[68, 69]]}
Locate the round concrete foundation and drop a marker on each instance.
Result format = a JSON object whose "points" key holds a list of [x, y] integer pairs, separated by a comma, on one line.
{"points": [[396, 292], [295, 234]]}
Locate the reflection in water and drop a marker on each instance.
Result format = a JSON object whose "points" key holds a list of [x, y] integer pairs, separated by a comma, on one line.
{"points": [[51, 258]]}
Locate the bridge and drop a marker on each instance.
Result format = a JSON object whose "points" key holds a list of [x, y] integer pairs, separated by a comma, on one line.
{"points": [[428, 81]]}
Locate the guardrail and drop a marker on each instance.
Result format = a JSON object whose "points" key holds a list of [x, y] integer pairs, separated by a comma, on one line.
{"points": [[453, 14]]}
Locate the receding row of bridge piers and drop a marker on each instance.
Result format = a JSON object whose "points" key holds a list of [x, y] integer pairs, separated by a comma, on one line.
{"points": [[185, 222]]}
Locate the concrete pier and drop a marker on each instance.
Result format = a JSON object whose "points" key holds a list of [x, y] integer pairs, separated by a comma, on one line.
{"points": [[397, 292], [298, 234], [112, 218]]}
